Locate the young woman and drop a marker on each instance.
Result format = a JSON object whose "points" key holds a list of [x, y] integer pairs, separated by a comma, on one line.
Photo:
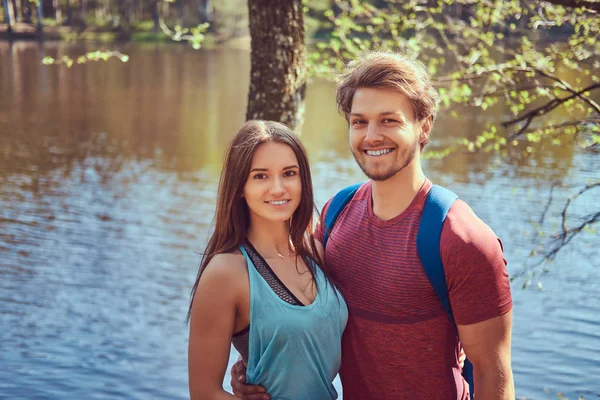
{"points": [[260, 285]]}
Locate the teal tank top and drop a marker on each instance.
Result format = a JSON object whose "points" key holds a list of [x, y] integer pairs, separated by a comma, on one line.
{"points": [[294, 351]]}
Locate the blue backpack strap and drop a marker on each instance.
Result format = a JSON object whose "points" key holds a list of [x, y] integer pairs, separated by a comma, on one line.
{"points": [[336, 206], [435, 211]]}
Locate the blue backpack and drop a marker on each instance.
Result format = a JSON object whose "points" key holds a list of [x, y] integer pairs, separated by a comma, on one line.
{"points": [[436, 209]]}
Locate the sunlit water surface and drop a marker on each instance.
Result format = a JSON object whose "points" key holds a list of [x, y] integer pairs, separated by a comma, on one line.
{"points": [[108, 174]]}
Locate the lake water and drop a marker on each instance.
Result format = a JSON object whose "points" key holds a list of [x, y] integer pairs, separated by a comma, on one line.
{"points": [[108, 175]]}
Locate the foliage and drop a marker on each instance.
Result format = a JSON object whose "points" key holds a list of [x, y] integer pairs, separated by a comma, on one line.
{"points": [[91, 56], [532, 65], [194, 36], [496, 61]]}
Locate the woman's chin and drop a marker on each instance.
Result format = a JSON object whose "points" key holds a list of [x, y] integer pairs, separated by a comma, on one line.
{"points": [[278, 218]]}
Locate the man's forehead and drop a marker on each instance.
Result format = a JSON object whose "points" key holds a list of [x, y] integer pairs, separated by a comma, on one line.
{"points": [[381, 102]]}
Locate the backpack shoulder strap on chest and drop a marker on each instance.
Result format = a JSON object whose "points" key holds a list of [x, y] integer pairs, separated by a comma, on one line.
{"points": [[435, 211], [438, 203], [336, 206]]}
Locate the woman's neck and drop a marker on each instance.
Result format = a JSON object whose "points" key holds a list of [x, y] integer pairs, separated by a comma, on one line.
{"points": [[271, 239]]}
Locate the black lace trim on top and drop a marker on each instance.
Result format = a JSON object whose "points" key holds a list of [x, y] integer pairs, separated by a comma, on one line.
{"points": [[240, 340], [269, 276]]}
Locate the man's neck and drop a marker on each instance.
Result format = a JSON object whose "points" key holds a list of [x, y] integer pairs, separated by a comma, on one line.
{"points": [[392, 196]]}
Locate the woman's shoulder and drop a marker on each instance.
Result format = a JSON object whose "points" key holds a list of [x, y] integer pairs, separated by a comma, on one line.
{"points": [[227, 263]]}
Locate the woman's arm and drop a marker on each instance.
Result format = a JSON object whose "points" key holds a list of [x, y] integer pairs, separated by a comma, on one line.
{"points": [[211, 326]]}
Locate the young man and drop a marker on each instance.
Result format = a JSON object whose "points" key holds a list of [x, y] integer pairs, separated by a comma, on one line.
{"points": [[399, 342]]}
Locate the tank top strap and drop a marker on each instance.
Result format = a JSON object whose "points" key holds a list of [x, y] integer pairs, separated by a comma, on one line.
{"points": [[253, 274], [259, 288]]}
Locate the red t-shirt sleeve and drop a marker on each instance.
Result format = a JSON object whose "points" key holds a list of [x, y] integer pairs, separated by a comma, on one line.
{"points": [[320, 228], [478, 283]]}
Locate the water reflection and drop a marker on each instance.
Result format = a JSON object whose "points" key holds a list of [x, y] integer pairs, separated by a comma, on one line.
{"points": [[108, 174]]}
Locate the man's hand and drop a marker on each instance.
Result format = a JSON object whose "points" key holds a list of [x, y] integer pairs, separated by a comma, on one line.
{"points": [[461, 358], [238, 384]]}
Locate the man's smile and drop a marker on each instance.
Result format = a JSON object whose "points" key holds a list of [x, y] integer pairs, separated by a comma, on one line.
{"points": [[377, 153]]}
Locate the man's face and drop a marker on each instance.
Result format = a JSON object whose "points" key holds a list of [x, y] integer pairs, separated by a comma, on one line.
{"points": [[384, 136]]}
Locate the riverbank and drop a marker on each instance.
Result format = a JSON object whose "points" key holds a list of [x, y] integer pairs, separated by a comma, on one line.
{"points": [[23, 31]]}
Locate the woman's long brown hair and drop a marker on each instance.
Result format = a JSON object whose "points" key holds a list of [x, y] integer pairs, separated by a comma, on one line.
{"points": [[232, 217]]}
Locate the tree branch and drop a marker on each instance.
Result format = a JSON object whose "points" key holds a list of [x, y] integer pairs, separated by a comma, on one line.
{"points": [[550, 198], [529, 88], [568, 234], [500, 69], [558, 126], [587, 4], [566, 237], [570, 89], [546, 108]]}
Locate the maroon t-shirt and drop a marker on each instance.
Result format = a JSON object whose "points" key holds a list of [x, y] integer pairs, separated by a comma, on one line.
{"points": [[399, 342]]}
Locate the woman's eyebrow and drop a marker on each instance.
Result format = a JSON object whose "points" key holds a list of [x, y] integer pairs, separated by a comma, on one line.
{"points": [[266, 169]]}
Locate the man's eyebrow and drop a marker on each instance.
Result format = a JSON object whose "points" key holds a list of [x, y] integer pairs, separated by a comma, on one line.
{"points": [[381, 113]]}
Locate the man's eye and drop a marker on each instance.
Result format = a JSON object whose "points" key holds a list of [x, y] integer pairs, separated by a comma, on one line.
{"points": [[389, 120], [358, 122]]}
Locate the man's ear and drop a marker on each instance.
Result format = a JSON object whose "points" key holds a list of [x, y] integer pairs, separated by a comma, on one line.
{"points": [[426, 126]]}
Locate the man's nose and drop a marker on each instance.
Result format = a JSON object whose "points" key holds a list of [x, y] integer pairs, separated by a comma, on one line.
{"points": [[373, 134]]}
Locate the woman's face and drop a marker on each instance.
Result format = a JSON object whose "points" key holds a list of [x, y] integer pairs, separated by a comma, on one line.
{"points": [[273, 190]]}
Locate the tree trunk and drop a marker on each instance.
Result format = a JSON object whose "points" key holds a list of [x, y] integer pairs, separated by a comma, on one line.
{"points": [[155, 15], [69, 19], [180, 12], [278, 58], [16, 10], [124, 14], [8, 15], [57, 12], [82, 11], [206, 11], [40, 16], [27, 14]]}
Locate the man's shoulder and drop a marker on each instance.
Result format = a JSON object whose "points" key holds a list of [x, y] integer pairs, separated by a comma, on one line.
{"points": [[463, 221], [464, 233]]}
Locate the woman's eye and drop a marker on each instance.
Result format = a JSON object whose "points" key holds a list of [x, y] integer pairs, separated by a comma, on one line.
{"points": [[289, 173], [389, 121], [259, 176]]}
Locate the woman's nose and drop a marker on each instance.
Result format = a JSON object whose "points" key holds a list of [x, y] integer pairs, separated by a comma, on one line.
{"points": [[277, 189]]}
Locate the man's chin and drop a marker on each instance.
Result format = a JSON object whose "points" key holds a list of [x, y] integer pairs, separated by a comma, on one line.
{"points": [[378, 176]]}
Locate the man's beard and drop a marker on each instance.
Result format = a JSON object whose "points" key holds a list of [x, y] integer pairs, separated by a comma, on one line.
{"points": [[410, 156]]}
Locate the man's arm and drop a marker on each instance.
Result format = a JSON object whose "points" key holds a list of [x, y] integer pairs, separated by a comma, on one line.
{"points": [[487, 345], [479, 291]]}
